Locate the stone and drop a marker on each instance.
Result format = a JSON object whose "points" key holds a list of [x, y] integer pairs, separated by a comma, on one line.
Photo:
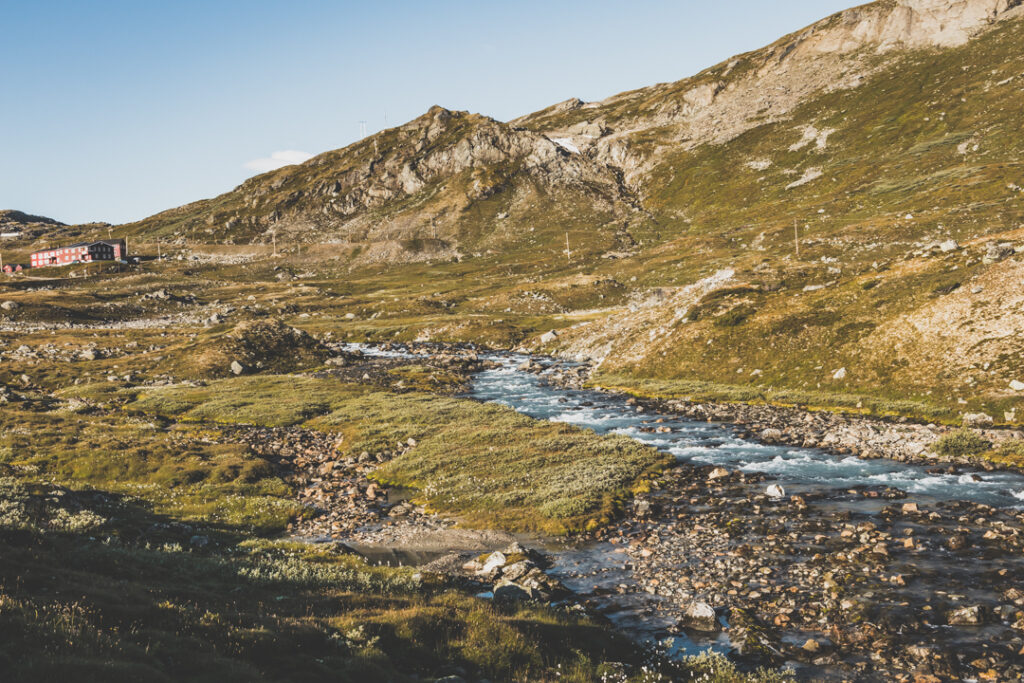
{"points": [[510, 592], [977, 420], [966, 616], [199, 541], [910, 509], [88, 354], [548, 337], [998, 252], [718, 473], [495, 560], [1017, 385], [948, 246], [9, 305], [812, 646], [237, 368], [771, 435], [775, 491], [956, 542], [839, 374], [516, 571], [700, 616]]}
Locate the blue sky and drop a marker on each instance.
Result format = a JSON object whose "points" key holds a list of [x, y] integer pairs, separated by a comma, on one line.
{"points": [[114, 109]]}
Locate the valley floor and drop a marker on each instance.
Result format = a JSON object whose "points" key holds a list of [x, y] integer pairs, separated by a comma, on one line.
{"points": [[234, 482]]}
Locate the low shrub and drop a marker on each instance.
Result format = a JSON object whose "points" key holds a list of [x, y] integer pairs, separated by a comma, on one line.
{"points": [[961, 443]]}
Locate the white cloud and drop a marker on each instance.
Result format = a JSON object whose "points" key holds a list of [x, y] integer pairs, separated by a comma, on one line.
{"points": [[276, 160]]}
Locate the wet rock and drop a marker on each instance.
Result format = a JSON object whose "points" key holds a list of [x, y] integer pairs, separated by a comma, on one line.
{"points": [[775, 491], [956, 542], [966, 616], [718, 473], [700, 616]]}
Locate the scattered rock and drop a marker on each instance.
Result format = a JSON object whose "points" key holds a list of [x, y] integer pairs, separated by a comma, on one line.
{"points": [[718, 473], [9, 305], [775, 491], [237, 368], [966, 616], [977, 420], [495, 560], [700, 616], [548, 337], [510, 592]]}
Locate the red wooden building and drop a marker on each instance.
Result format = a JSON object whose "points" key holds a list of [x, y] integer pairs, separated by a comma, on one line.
{"points": [[82, 252]]}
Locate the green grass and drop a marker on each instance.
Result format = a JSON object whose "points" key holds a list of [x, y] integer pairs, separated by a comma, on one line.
{"points": [[1010, 453], [698, 390], [185, 472], [271, 400], [78, 603], [483, 463]]}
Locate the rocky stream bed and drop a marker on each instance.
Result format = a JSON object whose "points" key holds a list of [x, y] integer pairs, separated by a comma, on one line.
{"points": [[838, 567]]}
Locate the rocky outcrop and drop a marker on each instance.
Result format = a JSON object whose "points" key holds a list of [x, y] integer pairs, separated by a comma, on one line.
{"points": [[404, 193], [725, 101]]}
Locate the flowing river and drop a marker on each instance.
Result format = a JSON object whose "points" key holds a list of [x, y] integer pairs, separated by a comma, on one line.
{"points": [[614, 575], [715, 444]]}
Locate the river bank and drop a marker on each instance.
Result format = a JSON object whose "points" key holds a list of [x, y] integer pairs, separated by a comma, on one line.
{"points": [[835, 572], [867, 437]]}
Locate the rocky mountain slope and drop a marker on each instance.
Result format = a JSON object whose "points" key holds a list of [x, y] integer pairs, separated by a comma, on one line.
{"points": [[840, 213], [443, 183]]}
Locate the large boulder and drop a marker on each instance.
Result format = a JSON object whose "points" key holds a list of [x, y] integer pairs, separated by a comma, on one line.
{"points": [[700, 616]]}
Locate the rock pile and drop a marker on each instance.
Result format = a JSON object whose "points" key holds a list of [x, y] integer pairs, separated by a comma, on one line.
{"points": [[516, 574], [835, 579]]}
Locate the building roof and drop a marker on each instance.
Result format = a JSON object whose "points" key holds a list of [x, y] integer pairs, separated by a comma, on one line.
{"points": [[76, 245]]}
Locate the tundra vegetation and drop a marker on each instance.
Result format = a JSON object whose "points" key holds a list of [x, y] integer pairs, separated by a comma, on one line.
{"points": [[851, 244]]}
